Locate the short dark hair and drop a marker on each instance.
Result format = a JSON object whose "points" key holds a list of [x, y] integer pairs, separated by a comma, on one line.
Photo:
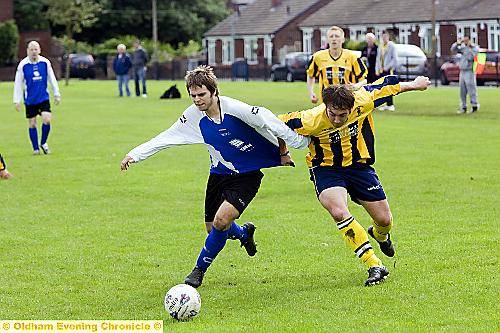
{"points": [[202, 76], [339, 97]]}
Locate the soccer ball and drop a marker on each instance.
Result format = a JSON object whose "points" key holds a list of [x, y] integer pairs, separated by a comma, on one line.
{"points": [[182, 302]]}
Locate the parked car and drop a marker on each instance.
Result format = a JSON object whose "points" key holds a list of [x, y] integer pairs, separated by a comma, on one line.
{"points": [[292, 68], [81, 66], [450, 71], [412, 61]]}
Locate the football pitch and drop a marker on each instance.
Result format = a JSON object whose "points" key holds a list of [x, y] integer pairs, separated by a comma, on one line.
{"points": [[79, 239]]}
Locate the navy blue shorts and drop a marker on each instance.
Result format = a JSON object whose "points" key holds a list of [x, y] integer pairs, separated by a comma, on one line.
{"points": [[361, 182], [37, 109]]}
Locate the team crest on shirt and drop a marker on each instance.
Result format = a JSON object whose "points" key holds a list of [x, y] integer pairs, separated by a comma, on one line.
{"points": [[351, 130], [255, 110]]}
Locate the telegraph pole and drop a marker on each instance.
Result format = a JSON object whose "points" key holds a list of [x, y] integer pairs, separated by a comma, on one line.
{"points": [[155, 37], [434, 42]]}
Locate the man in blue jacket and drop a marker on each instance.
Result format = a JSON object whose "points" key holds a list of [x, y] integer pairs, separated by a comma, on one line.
{"points": [[121, 66]]}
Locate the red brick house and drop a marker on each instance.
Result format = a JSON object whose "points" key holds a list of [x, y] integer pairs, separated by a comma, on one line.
{"points": [[265, 30], [410, 22], [262, 32]]}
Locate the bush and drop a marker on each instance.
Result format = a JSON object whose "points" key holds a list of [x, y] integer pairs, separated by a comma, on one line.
{"points": [[354, 45], [166, 52], [9, 42]]}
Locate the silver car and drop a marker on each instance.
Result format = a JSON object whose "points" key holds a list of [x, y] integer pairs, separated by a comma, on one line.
{"points": [[412, 61]]}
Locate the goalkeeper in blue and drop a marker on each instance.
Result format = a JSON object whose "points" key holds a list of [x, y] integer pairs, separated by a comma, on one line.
{"points": [[241, 140]]}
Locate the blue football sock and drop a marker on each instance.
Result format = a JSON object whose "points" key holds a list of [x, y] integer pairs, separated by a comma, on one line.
{"points": [[236, 232], [214, 243], [45, 133], [34, 137]]}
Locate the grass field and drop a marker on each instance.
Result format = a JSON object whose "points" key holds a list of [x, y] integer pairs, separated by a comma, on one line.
{"points": [[81, 240]]}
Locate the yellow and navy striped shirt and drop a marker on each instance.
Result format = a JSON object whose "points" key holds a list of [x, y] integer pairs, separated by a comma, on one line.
{"points": [[352, 143], [346, 69], [2, 163]]}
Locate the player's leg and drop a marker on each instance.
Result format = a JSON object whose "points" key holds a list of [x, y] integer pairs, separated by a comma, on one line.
{"points": [[331, 188], [214, 243], [382, 224], [46, 119], [31, 113], [334, 200]]}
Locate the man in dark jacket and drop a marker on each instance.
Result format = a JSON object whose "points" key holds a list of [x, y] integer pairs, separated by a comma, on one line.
{"points": [[139, 61], [121, 66], [369, 55]]}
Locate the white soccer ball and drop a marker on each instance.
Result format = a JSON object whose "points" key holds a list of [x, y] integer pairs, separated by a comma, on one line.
{"points": [[182, 302]]}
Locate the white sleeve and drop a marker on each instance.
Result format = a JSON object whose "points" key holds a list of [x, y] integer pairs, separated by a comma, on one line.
{"points": [[260, 117], [52, 79], [183, 132], [18, 85]]}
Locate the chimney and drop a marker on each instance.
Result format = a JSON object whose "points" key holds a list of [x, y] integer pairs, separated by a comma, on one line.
{"points": [[276, 3]]}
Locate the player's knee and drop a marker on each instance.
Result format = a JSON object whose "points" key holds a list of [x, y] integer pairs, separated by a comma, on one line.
{"points": [[384, 220], [221, 222], [208, 227], [339, 213]]}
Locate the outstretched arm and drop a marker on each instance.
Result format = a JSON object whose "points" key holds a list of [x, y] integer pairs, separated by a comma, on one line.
{"points": [[420, 83]]}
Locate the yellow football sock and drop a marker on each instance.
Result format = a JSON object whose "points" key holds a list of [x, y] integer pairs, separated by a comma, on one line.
{"points": [[380, 233], [357, 239]]}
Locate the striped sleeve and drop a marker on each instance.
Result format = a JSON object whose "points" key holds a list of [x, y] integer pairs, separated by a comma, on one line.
{"points": [[312, 67], [294, 121], [382, 89], [359, 69]]}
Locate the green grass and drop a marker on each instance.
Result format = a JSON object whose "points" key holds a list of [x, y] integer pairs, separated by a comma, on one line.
{"points": [[81, 240]]}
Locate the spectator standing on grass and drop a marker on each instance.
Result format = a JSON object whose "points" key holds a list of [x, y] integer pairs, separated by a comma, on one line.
{"points": [[139, 61], [467, 79], [121, 66], [369, 55], [386, 64], [32, 76]]}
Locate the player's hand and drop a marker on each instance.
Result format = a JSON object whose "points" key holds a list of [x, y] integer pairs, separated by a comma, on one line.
{"points": [[57, 99], [125, 164], [18, 107], [287, 161], [4, 174], [421, 82], [314, 99]]}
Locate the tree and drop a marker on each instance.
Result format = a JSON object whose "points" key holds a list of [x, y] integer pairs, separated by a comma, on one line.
{"points": [[73, 15], [27, 15], [9, 40], [179, 21]]}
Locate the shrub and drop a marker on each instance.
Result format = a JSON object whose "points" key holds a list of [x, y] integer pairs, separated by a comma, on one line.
{"points": [[9, 42]]}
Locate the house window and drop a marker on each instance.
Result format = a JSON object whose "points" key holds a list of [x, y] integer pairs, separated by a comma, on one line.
{"points": [[307, 40], [494, 36], [404, 34], [467, 29], [425, 34], [227, 51], [211, 51], [357, 32], [251, 47], [324, 38]]}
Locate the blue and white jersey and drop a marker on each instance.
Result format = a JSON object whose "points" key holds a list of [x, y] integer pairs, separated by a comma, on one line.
{"points": [[32, 78], [244, 140]]}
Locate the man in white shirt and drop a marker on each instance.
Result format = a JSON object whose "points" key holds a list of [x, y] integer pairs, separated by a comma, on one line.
{"points": [[241, 140]]}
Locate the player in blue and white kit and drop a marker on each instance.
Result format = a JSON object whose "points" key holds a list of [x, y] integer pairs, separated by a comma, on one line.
{"points": [[241, 140], [32, 75]]}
